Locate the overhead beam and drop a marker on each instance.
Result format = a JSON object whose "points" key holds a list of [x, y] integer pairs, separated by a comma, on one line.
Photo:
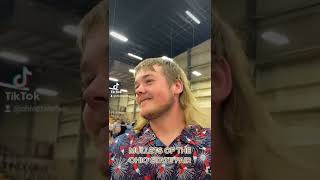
{"points": [[287, 12]]}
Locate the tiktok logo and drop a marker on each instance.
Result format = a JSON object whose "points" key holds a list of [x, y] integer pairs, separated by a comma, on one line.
{"points": [[22, 78], [19, 81]]}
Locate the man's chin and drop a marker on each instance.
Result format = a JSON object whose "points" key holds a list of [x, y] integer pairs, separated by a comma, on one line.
{"points": [[94, 120], [147, 115]]}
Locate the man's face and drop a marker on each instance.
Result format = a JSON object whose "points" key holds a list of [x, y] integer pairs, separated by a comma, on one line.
{"points": [[94, 77], [153, 93]]}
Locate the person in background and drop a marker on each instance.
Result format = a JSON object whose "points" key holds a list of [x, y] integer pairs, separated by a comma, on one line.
{"points": [[116, 129], [111, 127], [129, 126]]}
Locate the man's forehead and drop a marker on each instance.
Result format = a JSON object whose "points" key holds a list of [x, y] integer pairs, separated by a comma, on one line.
{"points": [[148, 71], [95, 54], [144, 74]]}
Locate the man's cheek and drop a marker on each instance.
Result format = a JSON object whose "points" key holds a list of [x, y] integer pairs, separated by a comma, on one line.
{"points": [[91, 125]]}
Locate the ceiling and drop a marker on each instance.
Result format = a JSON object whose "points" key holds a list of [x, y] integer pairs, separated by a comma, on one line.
{"points": [[154, 28], [296, 21], [34, 29]]}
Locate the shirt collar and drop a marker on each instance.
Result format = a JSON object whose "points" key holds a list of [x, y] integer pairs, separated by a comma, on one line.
{"points": [[187, 135]]}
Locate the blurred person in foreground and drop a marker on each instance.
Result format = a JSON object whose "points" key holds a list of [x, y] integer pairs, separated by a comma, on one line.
{"points": [[93, 42], [170, 118], [248, 143]]}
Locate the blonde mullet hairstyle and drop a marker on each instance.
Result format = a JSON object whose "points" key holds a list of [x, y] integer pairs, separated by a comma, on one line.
{"points": [[95, 18], [172, 71], [261, 149]]}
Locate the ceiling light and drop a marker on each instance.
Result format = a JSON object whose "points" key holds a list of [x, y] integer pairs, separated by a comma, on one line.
{"points": [[275, 38], [72, 30], [193, 17], [135, 56], [196, 73], [46, 92], [119, 36], [123, 90], [113, 79], [132, 71], [166, 58], [14, 57]]}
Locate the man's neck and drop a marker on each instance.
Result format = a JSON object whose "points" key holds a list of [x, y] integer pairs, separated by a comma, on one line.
{"points": [[170, 125], [224, 161]]}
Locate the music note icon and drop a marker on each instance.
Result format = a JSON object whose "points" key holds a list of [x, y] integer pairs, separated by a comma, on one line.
{"points": [[15, 82], [23, 77]]}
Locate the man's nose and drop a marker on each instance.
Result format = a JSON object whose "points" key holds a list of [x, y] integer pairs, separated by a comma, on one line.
{"points": [[96, 93], [140, 90]]}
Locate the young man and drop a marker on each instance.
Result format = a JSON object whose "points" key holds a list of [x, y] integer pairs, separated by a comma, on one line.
{"points": [[93, 42], [170, 121]]}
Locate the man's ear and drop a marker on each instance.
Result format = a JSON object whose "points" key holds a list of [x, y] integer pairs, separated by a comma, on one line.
{"points": [[222, 80], [177, 87]]}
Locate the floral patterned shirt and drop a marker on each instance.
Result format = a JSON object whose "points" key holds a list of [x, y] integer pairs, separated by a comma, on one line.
{"points": [[143, 156]]}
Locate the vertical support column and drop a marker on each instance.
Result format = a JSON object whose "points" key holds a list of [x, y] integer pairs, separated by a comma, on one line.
{"points": [[118, 105], [60, 115], [29, 134], [171, 42], [192, 35], [79, 170], [251, 13], [189, 63], [30, 127]]}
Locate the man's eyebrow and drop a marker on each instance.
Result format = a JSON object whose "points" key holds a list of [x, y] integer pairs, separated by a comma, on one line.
{"points": [[143, 77]]}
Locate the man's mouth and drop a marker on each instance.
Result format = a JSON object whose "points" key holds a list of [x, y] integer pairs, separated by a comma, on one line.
{"points": [[143, 100]]}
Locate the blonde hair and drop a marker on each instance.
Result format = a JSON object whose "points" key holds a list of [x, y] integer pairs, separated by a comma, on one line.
{"points": [[95, 18], [255, 138], [187, 101]]}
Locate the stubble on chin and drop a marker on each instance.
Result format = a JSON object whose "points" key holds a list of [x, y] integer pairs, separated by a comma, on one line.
{"points": [[157, 113]]}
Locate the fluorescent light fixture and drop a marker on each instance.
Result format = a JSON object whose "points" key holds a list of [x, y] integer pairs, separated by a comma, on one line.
{"points": [[275, 38], [46, 92], [196, 73], [166, 58], [119, 36], [123, 90], [113, 79], [132, 71], [193, 17], [14, 57], [135, 56], [72, 30]]}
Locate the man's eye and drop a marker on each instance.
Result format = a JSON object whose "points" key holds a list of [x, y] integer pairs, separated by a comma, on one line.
{"points": [[149, 81]]}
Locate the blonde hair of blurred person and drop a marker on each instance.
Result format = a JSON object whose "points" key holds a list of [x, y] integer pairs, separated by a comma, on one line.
{"points": [[95, 19], [172, 71], [258, 148]]}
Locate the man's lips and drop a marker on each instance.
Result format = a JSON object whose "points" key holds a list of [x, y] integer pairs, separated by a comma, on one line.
{"points": [[144, 99]]}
